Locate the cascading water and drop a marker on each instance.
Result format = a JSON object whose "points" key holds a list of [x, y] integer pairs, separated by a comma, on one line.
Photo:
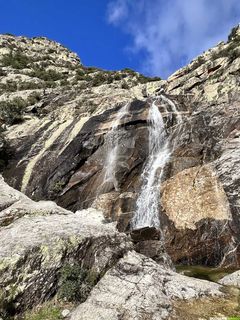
{"points": [[173, 107], [112, 155], [148, 202]]}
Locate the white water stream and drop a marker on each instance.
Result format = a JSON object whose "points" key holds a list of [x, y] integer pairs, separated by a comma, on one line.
{"points": [[148, 202], [112, 155]]}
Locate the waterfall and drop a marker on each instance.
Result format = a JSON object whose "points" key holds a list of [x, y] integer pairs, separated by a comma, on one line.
{"points": [[173, 107], [112, 154], [148, 201]]}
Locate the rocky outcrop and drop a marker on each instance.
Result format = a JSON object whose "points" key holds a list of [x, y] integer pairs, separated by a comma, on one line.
{"points": [[40, 238], [14, 205], [211, 77]]}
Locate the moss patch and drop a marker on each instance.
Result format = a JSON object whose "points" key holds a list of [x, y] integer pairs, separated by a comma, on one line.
{"points": [[48, 311]]}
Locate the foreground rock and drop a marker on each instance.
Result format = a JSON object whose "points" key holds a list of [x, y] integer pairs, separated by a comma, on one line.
{"points": [[138, 288], [34, 246]]}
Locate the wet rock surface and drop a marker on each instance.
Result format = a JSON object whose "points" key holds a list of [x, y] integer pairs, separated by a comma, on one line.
{"points": [[144, 234]]}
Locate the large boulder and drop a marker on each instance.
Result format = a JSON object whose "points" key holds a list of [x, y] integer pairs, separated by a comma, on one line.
{"points": [[198, 224], [138, 288], [38, 239]]}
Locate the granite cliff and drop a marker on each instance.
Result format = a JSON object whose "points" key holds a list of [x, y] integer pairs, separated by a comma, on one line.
{"points": [[150, 166]]}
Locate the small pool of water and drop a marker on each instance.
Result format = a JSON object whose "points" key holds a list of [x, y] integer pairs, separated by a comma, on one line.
{"points": [[205, 273]]}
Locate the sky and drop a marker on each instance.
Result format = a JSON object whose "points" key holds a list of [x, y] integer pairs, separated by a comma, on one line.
{"points": [[154, 37]]}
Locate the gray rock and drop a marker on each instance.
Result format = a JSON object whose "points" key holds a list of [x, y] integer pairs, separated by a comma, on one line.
{"points": [[14, 205], [65, 313], [232, 279], [34, 248], [138, 288]]}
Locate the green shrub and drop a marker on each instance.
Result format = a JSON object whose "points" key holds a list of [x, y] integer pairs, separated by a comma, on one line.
{"points": [[109, 78], [125, 85], [99, 79], [2, 73], [3, 151], [46, 75], [76, 283], [9, 34], [233, 54], [234, 36], [80, 72], [143, 79], [230, 51], [50, 84], [29, 85], [33, 98], [16, 60], [64, 82], [129, 71], [51, 51], [7, 307], [9, 86], [11, 112], [90, 69], [12, 86], [117, 77], [58, 186]]}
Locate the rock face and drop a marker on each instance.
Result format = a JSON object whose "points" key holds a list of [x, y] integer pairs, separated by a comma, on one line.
{"points": [[207, 148], [79, 136], [198, 218]]}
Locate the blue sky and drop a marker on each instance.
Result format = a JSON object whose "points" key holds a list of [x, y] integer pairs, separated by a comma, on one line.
{"points": [[155, 37]]}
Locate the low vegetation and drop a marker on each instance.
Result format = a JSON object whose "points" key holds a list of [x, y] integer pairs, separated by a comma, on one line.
{"points": [[48, 311], [11, 112], [46, 75], [76, 283], [16, 60], [97, 77]]}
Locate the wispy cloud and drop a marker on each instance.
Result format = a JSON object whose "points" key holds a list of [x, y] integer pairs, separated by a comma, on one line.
{"points": [[170, 33], [117, 10]]}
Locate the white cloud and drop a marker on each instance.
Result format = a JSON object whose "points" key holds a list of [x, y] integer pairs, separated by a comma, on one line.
{"points": [[117, 11], [172, 32]]}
